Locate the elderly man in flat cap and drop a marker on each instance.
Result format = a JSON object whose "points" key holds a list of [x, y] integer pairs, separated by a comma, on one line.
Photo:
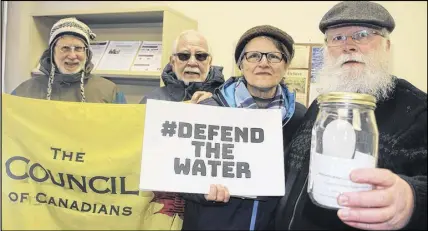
{"points": [[356, 53]]}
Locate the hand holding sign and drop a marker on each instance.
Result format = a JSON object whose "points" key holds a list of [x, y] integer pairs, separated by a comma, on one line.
{"points": [[199, 96], [218, 193]]}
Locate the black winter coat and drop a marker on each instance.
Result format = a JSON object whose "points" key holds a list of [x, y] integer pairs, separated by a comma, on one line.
{"points": [[402, 125]]}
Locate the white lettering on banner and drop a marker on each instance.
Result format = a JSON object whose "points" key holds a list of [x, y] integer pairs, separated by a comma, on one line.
{"points": [[187, 147]]}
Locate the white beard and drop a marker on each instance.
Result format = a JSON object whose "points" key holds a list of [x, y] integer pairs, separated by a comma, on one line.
{"points": [[79, 69], [73, 72], [373, 78]]}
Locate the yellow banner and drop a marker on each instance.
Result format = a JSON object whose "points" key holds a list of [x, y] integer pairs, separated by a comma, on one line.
{"points": [[71, 166]]}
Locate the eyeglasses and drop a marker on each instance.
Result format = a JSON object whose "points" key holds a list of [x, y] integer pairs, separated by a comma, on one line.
{"points": [[186, 56], [359, 37], [256, 56], [68, 49]]}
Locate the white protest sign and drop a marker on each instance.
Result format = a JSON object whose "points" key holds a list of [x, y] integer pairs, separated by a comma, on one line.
{"points": [[188, 147]]}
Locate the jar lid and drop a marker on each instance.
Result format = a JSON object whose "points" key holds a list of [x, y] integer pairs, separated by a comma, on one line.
{"points": [[347, 97]]}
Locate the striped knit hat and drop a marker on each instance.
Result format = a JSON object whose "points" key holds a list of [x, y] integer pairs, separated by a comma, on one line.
{"points": [[74, 27]]}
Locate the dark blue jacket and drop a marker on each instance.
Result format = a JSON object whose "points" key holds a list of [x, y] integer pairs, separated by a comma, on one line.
{"points": [[238, 213]]}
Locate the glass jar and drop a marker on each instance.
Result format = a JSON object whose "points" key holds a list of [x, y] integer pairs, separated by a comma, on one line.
{"points": [[344, 137]]}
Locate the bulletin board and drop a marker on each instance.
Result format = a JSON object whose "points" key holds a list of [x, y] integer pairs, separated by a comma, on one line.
{"points": [[307, 61]]}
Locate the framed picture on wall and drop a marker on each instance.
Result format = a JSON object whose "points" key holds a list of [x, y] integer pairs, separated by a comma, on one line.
{"points": [[297, 80], [316, 61], [307, 61], [301, 56]]}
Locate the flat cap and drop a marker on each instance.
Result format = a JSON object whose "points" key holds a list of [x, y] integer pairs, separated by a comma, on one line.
{"points": [[269, 31], [357, 13]]}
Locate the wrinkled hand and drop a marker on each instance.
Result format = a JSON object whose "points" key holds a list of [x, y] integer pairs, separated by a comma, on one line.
{"points": [[199, 96], [388, 206], [218, 193]]}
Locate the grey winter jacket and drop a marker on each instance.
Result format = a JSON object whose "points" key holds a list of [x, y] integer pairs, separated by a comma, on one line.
{"points": [[97, 89], [66, 87]]}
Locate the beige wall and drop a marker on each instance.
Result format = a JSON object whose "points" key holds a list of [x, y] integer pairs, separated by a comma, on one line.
{"points": [[224, 22], [17, 43]]}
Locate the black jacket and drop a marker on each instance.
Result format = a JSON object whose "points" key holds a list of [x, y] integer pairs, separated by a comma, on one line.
{"points": [[402, 125], [200, 214], [175, 90]]}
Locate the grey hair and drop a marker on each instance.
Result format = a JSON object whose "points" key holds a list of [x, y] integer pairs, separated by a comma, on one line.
{"points": [[385, 33], [175, 43], [280, 46]]}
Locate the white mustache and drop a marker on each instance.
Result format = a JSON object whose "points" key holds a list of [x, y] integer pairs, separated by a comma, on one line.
{"points": [[373, 79], [357, 57], [192, 69]]}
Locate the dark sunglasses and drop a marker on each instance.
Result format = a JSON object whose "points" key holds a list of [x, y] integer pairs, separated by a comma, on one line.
{"points": [[186, 56]]}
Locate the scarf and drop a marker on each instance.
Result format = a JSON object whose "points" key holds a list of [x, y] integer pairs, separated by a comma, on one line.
{"points": [[241, 98]]}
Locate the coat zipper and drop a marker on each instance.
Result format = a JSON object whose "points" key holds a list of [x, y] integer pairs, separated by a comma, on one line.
{"points": [[297, 202]]}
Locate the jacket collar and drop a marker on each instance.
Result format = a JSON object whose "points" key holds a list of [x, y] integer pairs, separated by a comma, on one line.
{"points": [[179, 91], [226, 93]]}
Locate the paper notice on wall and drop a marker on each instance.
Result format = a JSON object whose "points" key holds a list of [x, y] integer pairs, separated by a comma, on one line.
{"points": [[98, 48], [119, 55], [301, 57], [148, 57], [297, 81]]}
